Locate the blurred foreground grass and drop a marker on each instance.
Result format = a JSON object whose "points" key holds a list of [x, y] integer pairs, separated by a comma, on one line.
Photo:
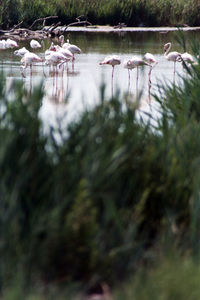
{"points": [[105, 198]]}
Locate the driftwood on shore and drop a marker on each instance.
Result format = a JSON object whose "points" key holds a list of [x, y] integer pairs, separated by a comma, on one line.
{"points": [[53, 30]]}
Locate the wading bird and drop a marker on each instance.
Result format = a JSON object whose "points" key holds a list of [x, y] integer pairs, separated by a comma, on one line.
{"points": [[112, 60], [29, 59], [72, 48], [35, 44], [11, 44], [171, 56], [21, 52], [136, 62], [150, 59], [53, 58]]}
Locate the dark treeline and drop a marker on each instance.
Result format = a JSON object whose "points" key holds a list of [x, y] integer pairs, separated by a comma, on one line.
{"points": [[112, 12]]}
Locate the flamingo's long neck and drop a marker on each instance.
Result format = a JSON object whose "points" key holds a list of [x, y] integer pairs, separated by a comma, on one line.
{"points": [[168, 48]]}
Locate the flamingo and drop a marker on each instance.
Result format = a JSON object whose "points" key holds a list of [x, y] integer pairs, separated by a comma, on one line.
{"points": [[149, 58], [73, 48], [2, 44], [136, 62], [5, 44], [21, 51], [29, 58], [112, 60], [52, 47], [171, 56], [188, 59], [35, 44], [128, 65], [65, 52], [54, 58], [11, 44]]}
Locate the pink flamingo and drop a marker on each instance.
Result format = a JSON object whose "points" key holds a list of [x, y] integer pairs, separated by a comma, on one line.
{"points": [[112, 60], [35, 44], [29, 59], [171, 56], [136, 62], [53, 58], [150, 59]]}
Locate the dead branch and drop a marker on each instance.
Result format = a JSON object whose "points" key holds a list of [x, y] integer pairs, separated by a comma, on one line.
{"points": [[16, 26], [51, 29], [42, 19], [77, 23]]}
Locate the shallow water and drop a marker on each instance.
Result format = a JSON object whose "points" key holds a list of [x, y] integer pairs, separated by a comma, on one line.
{"points": [[78, 88]]}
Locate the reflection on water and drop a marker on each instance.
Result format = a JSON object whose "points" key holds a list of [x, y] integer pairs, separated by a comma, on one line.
{"points": [[76, 88]]}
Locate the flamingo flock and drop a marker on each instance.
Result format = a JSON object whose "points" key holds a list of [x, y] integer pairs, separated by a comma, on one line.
{"points": [[59, 55]]}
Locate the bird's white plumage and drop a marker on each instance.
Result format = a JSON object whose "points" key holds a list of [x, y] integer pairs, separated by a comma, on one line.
{"points": [[112, 60], [35, 44], [171, 56], [21, 51], [149, 58], [29, 58]]}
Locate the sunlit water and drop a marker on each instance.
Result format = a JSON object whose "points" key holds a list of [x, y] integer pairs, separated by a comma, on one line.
{"points": [[79, 88]]}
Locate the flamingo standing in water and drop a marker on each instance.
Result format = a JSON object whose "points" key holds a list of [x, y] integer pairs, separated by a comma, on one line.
{"points": [[187, 60], [6, 44], [35, 44], [150, 59], [171, 56], [53, 58], [72, 48], [11, 44], [136, 62], [29, 59], [112, 60], [21, 51]]}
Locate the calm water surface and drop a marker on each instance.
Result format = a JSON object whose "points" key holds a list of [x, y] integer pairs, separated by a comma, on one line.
{"points": [[79, 88]]}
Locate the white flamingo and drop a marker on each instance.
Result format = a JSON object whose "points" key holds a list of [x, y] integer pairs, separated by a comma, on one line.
{"points": [[112, 60], [11, 44], [136, 62], [29, 59], [21, 51], [53, 58], [35, 44], [188, 59], [6, 44], [150, 59], [129, 66], [65, 52], [72, 48], [171, 56], [2, 44]]}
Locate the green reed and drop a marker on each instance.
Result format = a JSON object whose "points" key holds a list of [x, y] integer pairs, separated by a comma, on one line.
{"points": [[100, 198], [132, 12]]}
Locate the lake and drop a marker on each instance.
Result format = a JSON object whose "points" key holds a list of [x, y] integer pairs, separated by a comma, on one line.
{"points": [[80, 87]]}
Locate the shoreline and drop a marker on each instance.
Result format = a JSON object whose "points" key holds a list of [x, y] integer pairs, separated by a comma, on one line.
{"points": [[107, 29]]}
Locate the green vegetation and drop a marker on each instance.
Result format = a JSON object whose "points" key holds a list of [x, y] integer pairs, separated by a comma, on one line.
{"points": [[131, 12], [107, 197]]}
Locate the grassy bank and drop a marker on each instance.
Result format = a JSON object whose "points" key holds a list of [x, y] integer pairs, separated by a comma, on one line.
{"points": [[132, 12], [101, 199]]}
